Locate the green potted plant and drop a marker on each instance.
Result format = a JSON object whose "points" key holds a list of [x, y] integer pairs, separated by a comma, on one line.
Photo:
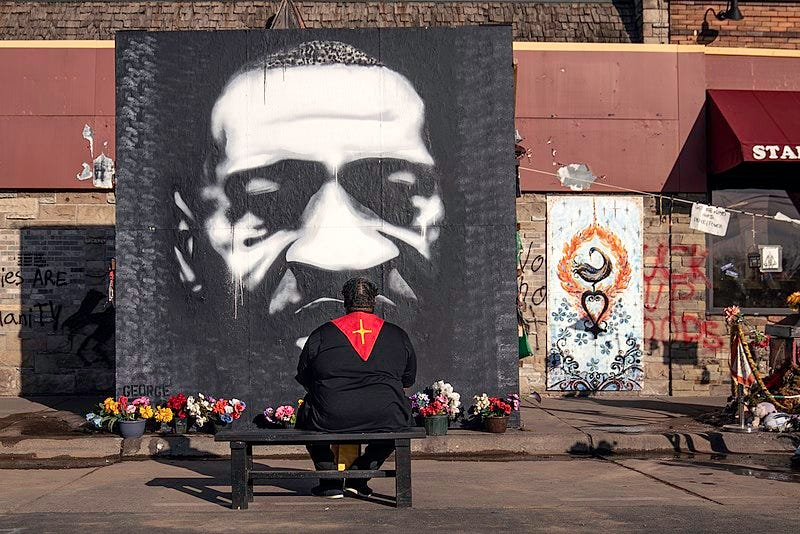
{"points": [[437, 405], [130, 416]]}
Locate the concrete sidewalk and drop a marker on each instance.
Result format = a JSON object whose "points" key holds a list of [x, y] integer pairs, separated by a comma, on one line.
{"points": [[39, 431]]}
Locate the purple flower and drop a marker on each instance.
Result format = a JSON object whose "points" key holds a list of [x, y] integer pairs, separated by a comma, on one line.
{"points": [[269, 415]]}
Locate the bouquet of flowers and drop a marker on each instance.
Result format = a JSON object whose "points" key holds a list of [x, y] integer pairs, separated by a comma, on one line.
{"points": [[284, 415], [111, 410], [485, 406], [199, 407], [438, 399], [227, 411], [733, 315], [177, 404]]}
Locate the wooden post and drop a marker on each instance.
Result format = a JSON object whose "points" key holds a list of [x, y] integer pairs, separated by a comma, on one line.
{"points": [[249, 470], [402, 460], [239, 475]]}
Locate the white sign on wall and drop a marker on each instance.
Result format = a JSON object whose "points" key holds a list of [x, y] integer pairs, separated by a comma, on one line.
{"points": [[776, 152], [709, 219]]}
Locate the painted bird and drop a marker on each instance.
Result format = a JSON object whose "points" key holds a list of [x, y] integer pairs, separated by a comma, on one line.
{"points": [[589, 272]]}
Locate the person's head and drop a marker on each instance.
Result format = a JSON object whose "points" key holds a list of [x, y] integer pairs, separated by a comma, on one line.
{"points": [[359, 295], [320, 163]]}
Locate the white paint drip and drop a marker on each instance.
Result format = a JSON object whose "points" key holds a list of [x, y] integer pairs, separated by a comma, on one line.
{"points": [[300, 342]]}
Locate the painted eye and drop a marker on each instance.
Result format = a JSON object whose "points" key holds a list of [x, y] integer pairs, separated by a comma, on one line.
{"points": [[402, 177], [259, 186]]}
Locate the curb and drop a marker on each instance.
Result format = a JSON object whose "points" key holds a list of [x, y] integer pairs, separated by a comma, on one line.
{"points": [[458, 443]]}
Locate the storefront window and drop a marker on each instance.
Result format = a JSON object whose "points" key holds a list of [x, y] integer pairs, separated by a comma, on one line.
{"points": [[741, 270]]}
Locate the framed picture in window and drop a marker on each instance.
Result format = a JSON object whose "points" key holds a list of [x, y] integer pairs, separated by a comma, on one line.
{"points": [[771, 258]]}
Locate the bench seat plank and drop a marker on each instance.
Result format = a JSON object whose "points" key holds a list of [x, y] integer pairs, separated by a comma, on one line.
{"points": [[361, 473], [300, 437]]}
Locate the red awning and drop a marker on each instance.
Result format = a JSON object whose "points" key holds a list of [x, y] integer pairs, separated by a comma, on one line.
{"points": [[758, 126]]}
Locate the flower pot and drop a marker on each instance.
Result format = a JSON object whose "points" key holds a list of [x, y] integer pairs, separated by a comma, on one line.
{"points": [[179, 426], [496, 424], [132, 429], [218, 426], [436, 425]]}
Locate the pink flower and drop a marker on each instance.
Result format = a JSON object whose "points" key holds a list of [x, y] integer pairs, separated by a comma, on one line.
{"points": [[284, 412], [143, 401], [130, 408]]}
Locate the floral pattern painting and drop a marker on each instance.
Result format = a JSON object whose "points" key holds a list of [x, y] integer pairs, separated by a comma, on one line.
{"points": [[594, 293]]}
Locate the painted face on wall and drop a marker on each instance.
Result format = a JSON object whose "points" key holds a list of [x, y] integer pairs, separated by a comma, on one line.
{"points": [[321, 169]]}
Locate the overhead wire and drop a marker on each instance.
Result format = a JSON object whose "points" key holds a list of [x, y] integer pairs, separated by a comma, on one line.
{"points": [[659, 196]]}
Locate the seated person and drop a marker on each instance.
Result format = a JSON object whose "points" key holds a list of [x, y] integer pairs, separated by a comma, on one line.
{"points": [[354, 369]]}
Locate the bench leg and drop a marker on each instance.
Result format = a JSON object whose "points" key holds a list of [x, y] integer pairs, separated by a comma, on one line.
{"points": [[239, 475], [402, 460], [249, 470]]}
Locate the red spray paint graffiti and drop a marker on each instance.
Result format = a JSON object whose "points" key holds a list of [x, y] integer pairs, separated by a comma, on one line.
{"points": [[686, 283]]}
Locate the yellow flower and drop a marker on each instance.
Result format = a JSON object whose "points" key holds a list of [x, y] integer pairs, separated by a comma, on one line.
{"points": [[111, 406], [793, 300], [299, 402], [146, 412], [163, 415]]}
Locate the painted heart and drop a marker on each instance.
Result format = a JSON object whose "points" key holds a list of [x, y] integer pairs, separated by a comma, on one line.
{"points": [[595, 304]]}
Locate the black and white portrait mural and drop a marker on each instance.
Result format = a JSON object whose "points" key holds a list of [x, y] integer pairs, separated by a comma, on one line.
{"points": [[259, 170]]}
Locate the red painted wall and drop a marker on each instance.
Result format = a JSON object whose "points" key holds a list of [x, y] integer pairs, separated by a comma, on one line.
{"points": [[46, 97], [637, 119]]}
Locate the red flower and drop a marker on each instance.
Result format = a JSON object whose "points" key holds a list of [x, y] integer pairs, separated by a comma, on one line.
{"points": [[123, 403], [177, 402], [219, 406]]}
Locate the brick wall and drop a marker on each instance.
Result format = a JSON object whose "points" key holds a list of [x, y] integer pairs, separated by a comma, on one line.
{"points": [[56, 328], [765, 24], [685, 351], [582, 22]]}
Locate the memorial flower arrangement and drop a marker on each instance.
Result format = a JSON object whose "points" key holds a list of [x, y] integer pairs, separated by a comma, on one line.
{"points": [[733, 315], [227, 411], [177, 403], [755, 338], [485, 406], [284, 415], [199, 407], [112, 411], [437, 399]]}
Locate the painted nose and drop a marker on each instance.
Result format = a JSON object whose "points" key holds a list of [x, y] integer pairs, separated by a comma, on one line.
{"points": [[337, 233]]}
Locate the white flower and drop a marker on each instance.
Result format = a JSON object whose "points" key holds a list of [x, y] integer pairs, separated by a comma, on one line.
{"points": [[229, 409]]}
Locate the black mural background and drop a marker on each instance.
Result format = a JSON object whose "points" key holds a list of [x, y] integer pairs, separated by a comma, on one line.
{"points": [[464, 324]]}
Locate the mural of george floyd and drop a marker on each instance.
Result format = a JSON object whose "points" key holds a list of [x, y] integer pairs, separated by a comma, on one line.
{"points": [[259, 170]]}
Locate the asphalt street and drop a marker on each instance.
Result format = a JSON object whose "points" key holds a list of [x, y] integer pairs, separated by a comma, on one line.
{"points": [[590, 494]]}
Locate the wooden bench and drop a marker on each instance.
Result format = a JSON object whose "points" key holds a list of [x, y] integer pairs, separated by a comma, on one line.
{"points": [[243, 474]]}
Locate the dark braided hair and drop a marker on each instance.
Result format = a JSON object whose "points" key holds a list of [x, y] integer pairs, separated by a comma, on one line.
{"points": [[359, 295]]}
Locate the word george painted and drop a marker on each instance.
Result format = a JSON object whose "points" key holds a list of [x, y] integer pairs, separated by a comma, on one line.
{"points": [[41, 278], [776, 152], [148, 390]]}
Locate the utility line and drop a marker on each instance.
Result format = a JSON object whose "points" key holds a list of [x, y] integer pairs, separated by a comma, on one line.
{"points": [[656, 195]]}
